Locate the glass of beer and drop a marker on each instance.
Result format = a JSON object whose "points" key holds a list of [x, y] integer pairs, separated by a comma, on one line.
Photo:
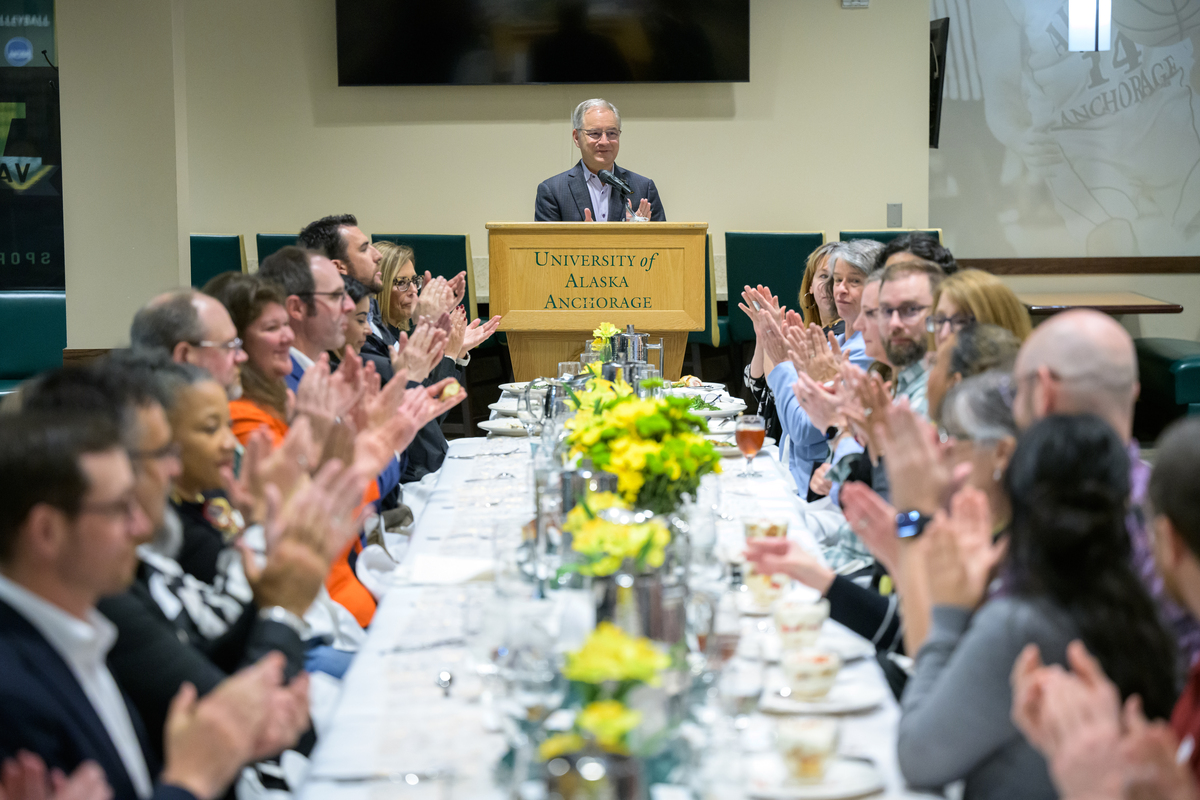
{"points": [[750, 431]]}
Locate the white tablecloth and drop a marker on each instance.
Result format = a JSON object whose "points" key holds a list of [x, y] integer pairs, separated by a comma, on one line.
{"points": [[394, 725]]}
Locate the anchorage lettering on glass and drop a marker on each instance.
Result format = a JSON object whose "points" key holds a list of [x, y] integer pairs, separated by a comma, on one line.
{"points": [[544, 258]]}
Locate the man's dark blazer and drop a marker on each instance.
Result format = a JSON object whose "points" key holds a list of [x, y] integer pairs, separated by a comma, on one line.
{"points": [[564, 197], [44, 710]]}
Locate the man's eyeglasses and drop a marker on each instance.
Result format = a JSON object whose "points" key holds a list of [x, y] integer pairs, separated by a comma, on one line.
{"points": [[956, 322], [337, 295], [612, 133], [907, 312], [126, 507], [402, 284], [168, 450], [233, 344]]}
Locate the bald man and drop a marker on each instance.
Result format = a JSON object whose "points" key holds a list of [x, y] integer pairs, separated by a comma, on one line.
{"points": [[1083, 362], [192, 328]]}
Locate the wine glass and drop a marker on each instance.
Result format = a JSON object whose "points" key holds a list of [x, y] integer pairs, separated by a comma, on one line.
{"points": [[750, 431]]}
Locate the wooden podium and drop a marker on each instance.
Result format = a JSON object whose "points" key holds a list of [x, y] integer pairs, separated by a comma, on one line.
{"points": [[555, 282]]}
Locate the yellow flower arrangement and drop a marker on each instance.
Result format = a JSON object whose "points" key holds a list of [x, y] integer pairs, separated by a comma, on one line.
{"points": [[603, 335], [653, 446], [609, 722], [606, 544], [611, 655], [606, 668]]}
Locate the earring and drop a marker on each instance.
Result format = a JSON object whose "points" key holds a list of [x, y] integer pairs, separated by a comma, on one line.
{"points": [[997, 474]]}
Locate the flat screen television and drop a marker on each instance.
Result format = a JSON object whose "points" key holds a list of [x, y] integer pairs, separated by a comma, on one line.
{"points": [[474, 42]]}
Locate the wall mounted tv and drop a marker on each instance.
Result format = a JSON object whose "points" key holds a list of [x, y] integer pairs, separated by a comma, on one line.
{"points": [[465, 42]]}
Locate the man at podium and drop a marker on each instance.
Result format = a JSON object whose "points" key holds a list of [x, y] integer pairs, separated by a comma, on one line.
{"points": [[583, 193]]}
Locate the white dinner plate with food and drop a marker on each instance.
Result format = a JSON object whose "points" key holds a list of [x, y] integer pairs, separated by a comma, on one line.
{"points": [[724, 408], [849, 646], [505, 426], [849, 695], [506, 406], [845, 778], [726, 447]]}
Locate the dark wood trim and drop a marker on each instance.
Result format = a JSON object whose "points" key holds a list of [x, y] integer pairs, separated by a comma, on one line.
{"points": [[1114, 310], [1164, 265], [77, 358]]}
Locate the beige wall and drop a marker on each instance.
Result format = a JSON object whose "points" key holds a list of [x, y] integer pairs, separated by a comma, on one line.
{"points": [[824, 136], [830, 129], [125, 189]]}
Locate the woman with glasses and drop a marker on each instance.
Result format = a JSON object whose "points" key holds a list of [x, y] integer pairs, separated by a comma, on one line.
{"points": [[971, 295]]}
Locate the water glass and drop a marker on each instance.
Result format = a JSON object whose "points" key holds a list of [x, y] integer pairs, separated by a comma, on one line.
{"points": [[568, 369], [654, 352]]}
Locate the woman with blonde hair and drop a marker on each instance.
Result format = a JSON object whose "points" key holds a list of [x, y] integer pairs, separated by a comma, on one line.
{"points": [[401, 286], [972, 295], [816, 290]]}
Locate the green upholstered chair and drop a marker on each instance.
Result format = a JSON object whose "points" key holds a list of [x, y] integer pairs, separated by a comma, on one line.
{"points": [[772, 259], [716, 329], [886, 235], [214, 253], [1169, 372], [267, 243], [33, 329]]}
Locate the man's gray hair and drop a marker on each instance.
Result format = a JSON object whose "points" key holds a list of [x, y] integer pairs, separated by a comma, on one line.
{"points": [[858, 253], [595, 102], [980, 408], [166, 321]]}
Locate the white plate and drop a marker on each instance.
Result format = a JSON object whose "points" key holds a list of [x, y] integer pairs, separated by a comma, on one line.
{"points": [[724, 409], [727, 449], [850, 695], [848, 645], [844, 778], [507, 407], [509, 426], [518, 388]]}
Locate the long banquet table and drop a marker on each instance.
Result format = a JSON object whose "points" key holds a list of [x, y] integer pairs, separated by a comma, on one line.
{"points": [[397, 734]]}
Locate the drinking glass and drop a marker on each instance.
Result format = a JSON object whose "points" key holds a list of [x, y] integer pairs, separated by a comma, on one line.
{"points": [[590, 357], [567, 369], [652, 374], [750, 431], [654, 352], [530, 405]]}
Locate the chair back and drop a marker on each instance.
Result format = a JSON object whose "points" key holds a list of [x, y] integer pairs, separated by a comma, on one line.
{"points": [[711, 335], [214, 253], [33, 329], [267, 243], [774, 259], [886, 235]]}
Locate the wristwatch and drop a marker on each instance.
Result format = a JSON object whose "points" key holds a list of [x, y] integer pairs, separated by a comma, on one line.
{"points": [[284, 617], [911, 523], [831, 432]]}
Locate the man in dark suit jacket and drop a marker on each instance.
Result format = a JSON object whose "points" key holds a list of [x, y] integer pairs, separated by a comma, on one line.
{"points": [[71, 523], [578, 195]]}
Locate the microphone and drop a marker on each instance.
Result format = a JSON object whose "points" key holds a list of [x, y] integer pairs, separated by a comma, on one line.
{"points": [[612, 180]]}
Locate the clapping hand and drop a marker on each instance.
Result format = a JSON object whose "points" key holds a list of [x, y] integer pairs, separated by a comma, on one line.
{"points": [[822, 405], [777, 555], [866, 396], [961, 555], [919, 465], [207, 741], [457, 284], [814, 352], [478, 332], [437, 297], [420, 352], [25, 777], [874, 520]]}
